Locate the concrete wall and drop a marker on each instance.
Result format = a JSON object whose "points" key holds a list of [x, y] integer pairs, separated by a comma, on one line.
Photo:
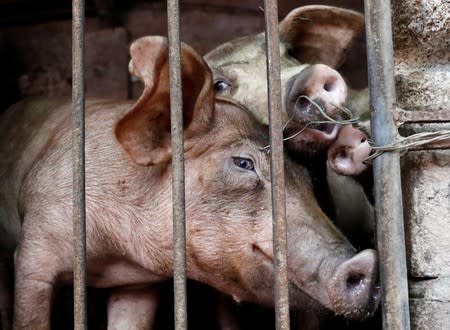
{"points": [[422, 58], [35, 44]]}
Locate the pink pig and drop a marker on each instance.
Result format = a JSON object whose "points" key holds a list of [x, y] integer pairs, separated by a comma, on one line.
{"points": [[128, 198]]}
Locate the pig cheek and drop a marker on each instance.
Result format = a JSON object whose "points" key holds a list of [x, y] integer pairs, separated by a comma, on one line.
{"points": [[218, 254], [228, 248], [254, 96]]}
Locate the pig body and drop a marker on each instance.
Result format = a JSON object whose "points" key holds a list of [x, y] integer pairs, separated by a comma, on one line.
{"points": [[313, 40], [128, 203]]}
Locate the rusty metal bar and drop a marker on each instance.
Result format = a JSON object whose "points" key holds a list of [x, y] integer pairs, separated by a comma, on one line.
{"points": [[277, 165], [388, 193], [409, 116], [78, 157], [178, 193]]}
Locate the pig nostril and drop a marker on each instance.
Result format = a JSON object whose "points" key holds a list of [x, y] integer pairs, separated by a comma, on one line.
{"points": [[354, 281], [342, 154], [303, 102], [363, 140], [328, 86]]}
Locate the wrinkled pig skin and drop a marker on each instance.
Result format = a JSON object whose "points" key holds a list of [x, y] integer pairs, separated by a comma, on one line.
{"points": [[310, 36], [128, 201]]}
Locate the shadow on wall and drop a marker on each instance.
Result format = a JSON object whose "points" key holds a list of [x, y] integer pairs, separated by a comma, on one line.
{"points": [[35, 39]]}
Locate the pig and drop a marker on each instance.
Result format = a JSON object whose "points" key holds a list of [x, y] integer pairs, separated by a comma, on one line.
{"points": [[347, 170], [314, 42], [128, 203]]}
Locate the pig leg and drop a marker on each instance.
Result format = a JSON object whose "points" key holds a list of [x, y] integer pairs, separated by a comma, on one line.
{"points": [[34, 287], [6, 285], [132, 308]]}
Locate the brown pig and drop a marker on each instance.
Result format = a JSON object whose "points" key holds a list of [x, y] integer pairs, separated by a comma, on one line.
{"points": [[314, 42], [128, 202]]}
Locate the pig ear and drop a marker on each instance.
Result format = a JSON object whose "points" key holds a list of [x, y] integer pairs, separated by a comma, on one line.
{"points": [[322, 34], [144, 132]]}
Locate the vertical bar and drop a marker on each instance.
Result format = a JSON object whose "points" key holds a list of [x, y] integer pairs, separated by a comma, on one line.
{"points": [[78, 157], [277, 165], [388, 194], [178, 196]]}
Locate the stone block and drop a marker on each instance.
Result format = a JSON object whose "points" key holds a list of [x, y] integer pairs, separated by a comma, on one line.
{"points": [[426, 195], [430, 304]]}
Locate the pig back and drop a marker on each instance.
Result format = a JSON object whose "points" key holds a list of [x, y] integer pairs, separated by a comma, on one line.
{"points": [[35, 149], [24, 130]]}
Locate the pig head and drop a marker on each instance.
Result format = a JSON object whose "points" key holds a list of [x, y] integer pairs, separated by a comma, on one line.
{"points": [[314, 42], [128, 199]]}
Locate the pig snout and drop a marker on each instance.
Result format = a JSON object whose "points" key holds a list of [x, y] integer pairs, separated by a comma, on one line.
{"points": [[347, 154], [325, 87], [353, 289]]}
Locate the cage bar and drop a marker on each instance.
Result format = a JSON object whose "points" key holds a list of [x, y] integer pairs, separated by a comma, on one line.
{"points": [[178, 192], [78, 158], [281, 284], [408, 116], [386, 169]]}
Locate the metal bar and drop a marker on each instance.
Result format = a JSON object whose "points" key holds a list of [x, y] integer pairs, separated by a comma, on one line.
{"points": [[410, 116], [178, 196], [438, 145], [388, 193], [79, 202], [277, 165]]}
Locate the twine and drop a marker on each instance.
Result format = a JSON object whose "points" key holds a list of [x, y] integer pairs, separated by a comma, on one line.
{"points": [[402, 145], [408, 142], [345, 113]]}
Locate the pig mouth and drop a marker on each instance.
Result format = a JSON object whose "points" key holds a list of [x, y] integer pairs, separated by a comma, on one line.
{"points": [[368, 310], [325, 128], [305, 116]]}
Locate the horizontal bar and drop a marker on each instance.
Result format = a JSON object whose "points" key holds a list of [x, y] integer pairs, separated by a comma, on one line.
{"points": [[178, 192], [411, 116], [277, 166], [439, 145], [78, 157], [388, 193]]}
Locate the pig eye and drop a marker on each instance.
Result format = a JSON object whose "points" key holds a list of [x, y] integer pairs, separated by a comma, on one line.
{"points": [[245, 163], [221, 85]]}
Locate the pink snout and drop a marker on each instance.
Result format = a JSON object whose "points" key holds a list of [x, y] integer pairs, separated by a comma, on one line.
{"points": [[319, 83], [353, 289], [347, 154]]}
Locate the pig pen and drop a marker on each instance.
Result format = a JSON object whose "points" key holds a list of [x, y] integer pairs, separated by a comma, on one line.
{"points": [[409, 87]]}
